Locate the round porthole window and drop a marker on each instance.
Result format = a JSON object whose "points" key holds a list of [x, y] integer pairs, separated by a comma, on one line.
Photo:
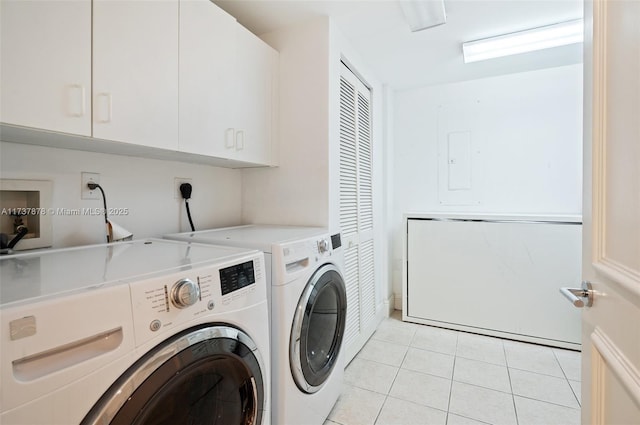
{"points": [[318, 329]]}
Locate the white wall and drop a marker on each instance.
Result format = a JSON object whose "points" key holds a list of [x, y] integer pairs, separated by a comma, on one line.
{"points": [[305, 188], [144, 186], [389, 198], [296, 192], [527, 147]]}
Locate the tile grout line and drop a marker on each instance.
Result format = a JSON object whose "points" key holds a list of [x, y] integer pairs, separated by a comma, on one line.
{"points": [[538, 373], [487, 388], [386, 397], [432, 351], [567, 378], [453, 371], [513, 397], [549, 402]]}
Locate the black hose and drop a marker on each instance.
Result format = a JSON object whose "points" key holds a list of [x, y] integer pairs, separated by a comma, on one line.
{"points": [[22, 230], [104, 203], [186, 203], [93, 186]]}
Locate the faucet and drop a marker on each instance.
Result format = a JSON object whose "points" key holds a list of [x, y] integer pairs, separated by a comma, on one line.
{"points": [[6, 246]]}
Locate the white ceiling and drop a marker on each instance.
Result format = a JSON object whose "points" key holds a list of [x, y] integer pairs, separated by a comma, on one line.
{"points": [[378, 32]]}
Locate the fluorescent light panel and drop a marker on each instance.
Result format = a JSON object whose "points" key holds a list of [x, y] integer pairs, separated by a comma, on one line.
{"points": [[423, 14], [555, 35]]}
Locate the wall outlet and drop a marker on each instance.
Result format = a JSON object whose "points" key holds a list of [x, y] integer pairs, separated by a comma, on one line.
{"points": [[85, 192], [177, 182]]}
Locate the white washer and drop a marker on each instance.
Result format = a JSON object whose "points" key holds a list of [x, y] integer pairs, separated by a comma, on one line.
{"points": [[308, 314], [151, 331]]}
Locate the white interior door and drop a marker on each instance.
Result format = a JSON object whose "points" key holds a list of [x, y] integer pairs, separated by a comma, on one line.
{"points": [[611, 243]]}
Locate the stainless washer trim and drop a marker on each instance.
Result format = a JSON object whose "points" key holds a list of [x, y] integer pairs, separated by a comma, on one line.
{"points": [[106, 414], [296, 330]]}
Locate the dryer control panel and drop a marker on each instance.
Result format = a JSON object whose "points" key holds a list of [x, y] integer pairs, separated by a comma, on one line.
{"points": [[200, 294], [293, 259]]}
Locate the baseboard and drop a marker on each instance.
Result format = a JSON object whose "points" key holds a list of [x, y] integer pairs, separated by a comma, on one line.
{"points": [[397, 302], [389, 305]]}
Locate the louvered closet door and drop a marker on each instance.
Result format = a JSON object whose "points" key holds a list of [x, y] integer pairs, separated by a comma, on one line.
{"points": [[356, 210]]}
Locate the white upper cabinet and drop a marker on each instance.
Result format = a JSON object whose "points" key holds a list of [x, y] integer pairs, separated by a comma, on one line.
{"points": [[226, 74], [45, 77], [178, 75], [207, 73], [135, 72], [256, 65]]}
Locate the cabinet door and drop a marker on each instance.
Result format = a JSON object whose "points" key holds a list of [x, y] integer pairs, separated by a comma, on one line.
{"points": [[255, 64], [46, 64], [135, 72], [207, 76]]}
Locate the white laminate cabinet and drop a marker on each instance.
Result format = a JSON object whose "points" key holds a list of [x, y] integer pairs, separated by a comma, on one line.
{"points": [[135, 72], [256, 64], [45, 78], [207, 70], [177, 75], [226, 77], [494, 274]]}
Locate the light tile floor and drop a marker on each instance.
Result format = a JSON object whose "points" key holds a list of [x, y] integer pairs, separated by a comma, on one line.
{"points": [[409, 374]]}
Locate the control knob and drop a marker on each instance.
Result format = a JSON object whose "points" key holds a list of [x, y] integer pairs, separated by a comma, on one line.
{"points": [[185, 293], [323, 246]]}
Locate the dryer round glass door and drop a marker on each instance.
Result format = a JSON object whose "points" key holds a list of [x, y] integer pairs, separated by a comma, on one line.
{"points": [[207, 375], [318, 329]]}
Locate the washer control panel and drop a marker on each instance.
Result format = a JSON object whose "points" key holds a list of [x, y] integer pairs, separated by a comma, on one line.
{"points": [[161, 303], [236, 277]]}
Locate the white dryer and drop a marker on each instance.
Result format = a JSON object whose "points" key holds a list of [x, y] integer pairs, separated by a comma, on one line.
{"points": [[151, 331], [308, 305]]}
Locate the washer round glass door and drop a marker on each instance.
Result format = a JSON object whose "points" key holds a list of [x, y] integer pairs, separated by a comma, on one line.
{"points": [[208, 375], [318, 329]]}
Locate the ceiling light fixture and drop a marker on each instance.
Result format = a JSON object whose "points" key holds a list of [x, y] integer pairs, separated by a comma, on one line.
{"points": [[555, 35], [423, 14]]}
